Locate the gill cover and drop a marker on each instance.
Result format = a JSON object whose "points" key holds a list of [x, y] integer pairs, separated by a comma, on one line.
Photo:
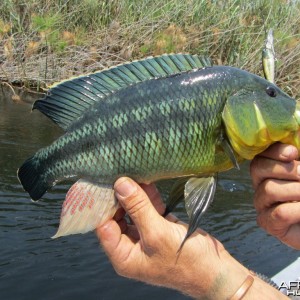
{"points": [[254, 119]]}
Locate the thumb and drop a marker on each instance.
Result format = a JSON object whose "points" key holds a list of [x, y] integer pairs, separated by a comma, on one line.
{"points": [[137, 204]]}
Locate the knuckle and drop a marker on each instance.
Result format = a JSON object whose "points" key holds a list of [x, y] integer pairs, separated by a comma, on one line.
{"points": [[262, 194], [152, 238], [266, 194], [267, 188], [279, 214], [135, 204], [263, 221], [152, 241], [254, 166], [157, 236], [257, 170], [259, 221], [155, 240]]}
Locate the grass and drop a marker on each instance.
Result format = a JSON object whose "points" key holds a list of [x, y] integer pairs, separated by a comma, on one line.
{"points": [[44, 41]]}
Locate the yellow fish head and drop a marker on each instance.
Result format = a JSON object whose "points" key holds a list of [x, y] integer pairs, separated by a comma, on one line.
{"points": [[255, 118]]}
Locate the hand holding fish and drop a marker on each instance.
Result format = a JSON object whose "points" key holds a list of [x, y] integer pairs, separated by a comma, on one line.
{"points": [[147, 250], [276, 179]]}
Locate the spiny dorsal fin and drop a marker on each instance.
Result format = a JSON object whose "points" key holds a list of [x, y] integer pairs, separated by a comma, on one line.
{"points": [[68, 100]]}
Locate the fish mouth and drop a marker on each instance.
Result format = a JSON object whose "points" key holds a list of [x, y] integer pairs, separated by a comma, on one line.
{"points": [[297, 133], [294, 137], [297, 113]]}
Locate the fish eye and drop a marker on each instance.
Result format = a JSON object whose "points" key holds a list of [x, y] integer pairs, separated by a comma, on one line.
{"points": [[271, 91]]}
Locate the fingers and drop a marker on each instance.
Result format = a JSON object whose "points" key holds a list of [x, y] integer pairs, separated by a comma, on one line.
{"points": [[281, 152], [278, 162], [137, 204], [273, 191], [109, 234], [278, 207], [112, 240], [262, 168], [276, 178], [284, 215], [283, 222]]}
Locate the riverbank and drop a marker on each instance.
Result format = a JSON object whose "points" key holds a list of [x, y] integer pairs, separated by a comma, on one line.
{"points": [[19, 93], [42, 42]]}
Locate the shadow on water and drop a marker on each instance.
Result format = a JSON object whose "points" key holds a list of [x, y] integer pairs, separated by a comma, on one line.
{"points": [[33, 266]]}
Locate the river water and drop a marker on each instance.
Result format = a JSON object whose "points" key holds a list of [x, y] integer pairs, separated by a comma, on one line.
{"points": [[33, 266]]}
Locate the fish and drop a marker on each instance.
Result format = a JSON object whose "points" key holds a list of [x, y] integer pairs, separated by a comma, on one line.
{"points": [[268, 57], [174, 117]]}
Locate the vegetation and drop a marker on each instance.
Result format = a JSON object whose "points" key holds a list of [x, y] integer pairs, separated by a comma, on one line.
{"points": [[43, 41]]}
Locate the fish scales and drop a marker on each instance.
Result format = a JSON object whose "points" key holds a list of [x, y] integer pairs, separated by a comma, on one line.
{"points": [[161, 129], [155, 119]]}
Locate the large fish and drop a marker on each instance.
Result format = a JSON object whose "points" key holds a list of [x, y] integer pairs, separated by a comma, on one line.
{"points": [[173, 116]]}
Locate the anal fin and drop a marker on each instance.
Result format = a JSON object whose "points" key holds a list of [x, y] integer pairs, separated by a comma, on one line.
{"points": [[199, 194], [87, 205]]}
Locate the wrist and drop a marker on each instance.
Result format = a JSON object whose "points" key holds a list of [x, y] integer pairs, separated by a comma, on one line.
{"points": [[231, 277]]}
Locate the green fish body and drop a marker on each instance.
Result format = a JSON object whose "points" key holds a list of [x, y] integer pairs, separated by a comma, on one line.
{"points": [[171, 121]]}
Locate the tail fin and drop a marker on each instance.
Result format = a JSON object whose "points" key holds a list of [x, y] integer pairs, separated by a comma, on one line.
{"points": [[32, 178]]}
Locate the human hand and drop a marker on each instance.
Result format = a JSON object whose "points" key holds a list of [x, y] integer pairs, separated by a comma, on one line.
{"points": [[147, 249], [276, 179]]}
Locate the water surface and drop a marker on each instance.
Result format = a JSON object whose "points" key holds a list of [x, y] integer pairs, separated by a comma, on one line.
{"points": [[32, 266]]}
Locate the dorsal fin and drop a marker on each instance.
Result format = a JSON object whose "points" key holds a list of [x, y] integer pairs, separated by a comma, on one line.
{"points": [[68, 100]]}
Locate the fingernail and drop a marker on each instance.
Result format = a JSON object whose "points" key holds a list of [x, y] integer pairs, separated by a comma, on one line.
{"points": [[125, 188]]}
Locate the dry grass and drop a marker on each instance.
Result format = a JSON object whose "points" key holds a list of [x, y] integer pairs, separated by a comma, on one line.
{"points": [[42, 42]]}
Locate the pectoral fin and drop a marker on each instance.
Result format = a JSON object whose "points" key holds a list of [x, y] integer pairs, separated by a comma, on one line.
{"points": [[87, 205], [229, 152], [199, 194]]}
